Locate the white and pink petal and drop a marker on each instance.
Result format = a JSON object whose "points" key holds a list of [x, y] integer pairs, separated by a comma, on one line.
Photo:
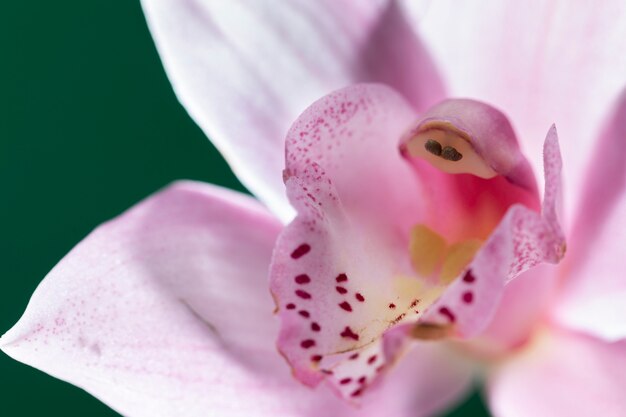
{"points": [[245, 70], [560, 374], [593, 293]]}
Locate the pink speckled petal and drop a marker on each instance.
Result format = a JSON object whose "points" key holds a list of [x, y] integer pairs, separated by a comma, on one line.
{"points": [[163, 311], [543, 63], [246, 69], [561, 374], [593, 298], [522, 240], [333, 266]]}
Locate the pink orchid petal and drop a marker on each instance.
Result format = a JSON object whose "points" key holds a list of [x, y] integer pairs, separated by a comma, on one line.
{"points": [[522, 240], [594, 295], [155, 310], [523, 305], [550, 62], [246, 70], [165, 312], [333, 264], [561, 375]]}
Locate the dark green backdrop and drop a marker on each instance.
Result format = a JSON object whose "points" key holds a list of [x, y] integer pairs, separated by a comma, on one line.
{"points": [[88, 126]]}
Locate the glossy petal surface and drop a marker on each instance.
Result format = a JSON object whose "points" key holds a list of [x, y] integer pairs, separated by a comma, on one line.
{"points": [[562, 374], [548, 62], [593, 298], [245, 70]]}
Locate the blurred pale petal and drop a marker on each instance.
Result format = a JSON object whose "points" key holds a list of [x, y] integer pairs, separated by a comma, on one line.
{"points": [[246, 69], [541, 63], [561, 375], [593, 298]]}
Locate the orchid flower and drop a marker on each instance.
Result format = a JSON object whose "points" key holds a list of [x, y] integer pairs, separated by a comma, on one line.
{"points": [[401, 246]]}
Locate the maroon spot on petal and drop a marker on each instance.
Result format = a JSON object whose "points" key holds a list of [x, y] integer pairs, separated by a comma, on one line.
{"points": [[303, 294], [315, 327], [354, 355], [397, 319], [362, 380], [414, 303], [357, 393], [392, 306], [468, 297], [446, 312], [341, 290], [290, 306], [341, 278], [316, 358], [469, 277], [345, 381], [372, 359], [304, 314], [348, 333], [417, 311], [346, 306], [359, 297], [302, 279], [327, 371], [307, 344], [300, 251]]}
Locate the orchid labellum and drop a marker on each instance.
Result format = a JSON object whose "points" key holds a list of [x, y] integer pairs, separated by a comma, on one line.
{"points": [[402, 247]]}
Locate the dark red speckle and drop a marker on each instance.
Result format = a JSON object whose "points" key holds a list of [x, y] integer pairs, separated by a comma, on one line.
{"points": [[346, 306], [327, 371], [302, 279], [362, 380], [354, 356], [307, 344], [300, 251], [359, 297], [414, 303], [469, 277], [303, 294], [316, 358], [315, 327], [372, 359], [468, 297], [304, 314], [392, 306], [290, 306], [446, 312], [341, 278], [348, 333], [341, 290], [357, 393], [345, 381]]}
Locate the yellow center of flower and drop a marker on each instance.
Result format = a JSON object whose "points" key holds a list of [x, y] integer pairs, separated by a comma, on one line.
{"points": [[433, 257]]}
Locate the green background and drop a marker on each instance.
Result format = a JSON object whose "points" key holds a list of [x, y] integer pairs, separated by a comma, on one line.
{"points": [[89, 125]]}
